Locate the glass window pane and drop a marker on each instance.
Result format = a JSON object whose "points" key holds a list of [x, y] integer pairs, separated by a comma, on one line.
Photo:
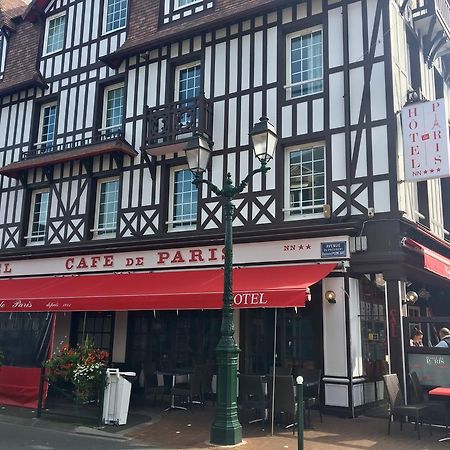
{"points": [[185, 195], [307, 180], [116, 14], [108, 207], [55, 34]]}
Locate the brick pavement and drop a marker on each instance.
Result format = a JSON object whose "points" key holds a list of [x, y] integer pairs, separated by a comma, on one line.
{"points": [[178, 430]]}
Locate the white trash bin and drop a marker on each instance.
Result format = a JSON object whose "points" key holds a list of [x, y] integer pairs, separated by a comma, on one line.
{"points": [[117, 397]]}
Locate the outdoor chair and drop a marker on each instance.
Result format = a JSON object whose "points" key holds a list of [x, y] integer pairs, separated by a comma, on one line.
{"points": [[436, 409], [207, 375], [155, 386], [285, 407], [398, 408], [252, 398], [191, 391], [311, 390]]}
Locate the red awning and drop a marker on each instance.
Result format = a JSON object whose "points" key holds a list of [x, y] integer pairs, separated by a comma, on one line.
{"points": [[254, 287], [432, 261]]}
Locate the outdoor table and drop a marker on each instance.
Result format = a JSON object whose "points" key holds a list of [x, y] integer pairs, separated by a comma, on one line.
{"points": [[174, 373], [443, 393]]}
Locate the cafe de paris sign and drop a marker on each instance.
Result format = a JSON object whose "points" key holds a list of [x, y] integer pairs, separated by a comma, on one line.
{"points": [[425, 140]]}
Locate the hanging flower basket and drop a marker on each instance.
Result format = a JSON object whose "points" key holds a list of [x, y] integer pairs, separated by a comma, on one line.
{"points": [[83, 367]]}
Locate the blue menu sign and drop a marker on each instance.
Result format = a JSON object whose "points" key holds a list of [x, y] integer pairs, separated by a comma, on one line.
{"points": [[333, 249]]}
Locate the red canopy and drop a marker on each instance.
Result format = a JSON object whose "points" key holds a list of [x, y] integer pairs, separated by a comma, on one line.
{"points": [[432, 261], [253, 287]]}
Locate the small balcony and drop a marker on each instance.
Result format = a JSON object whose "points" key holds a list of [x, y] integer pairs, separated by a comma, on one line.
{"points": [[46, 154], [167, 128], [432, 20]]}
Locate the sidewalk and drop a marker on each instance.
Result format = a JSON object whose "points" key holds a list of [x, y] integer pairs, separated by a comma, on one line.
{"points": [[190, 430], [179, 430]]}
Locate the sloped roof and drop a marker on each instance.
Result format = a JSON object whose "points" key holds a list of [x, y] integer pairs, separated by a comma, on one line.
{"points": [[145, 31], [21, 62], [9, 10]]}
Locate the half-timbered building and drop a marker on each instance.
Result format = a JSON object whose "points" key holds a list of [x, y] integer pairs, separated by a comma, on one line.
{"points": [[103, 233]]}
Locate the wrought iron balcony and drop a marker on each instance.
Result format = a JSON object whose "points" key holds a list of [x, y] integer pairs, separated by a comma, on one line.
{"points": [[167, 127], [432, 19], [46, 156]]}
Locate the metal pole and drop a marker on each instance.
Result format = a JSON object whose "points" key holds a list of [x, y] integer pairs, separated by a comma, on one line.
{"points": [[226, 429], [273, 370], [300, 412]]}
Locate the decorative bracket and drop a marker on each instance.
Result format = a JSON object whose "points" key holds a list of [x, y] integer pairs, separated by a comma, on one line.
{"points": [[151, 163], [403, 6], [23, 178], [48, 172], [88, 164], [118, 158]]}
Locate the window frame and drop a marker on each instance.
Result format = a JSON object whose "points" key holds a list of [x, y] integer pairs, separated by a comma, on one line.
{"points": [[3, 51], [29, 237], [47, 27], [287, 209], [39, 140], [178, 69], [177, 5], [105, 19], [107, 89], [171, 224], [96, 228], [289, 85]]}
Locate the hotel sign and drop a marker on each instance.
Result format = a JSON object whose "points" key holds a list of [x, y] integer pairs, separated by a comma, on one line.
{"points": [[425, 140], [298, 250]]}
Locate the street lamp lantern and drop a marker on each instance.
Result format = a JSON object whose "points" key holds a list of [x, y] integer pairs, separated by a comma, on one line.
{"points": [[264, 140], [198, 152], [226, 429]]}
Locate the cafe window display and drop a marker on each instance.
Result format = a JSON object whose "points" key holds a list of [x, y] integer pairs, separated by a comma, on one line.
{"points": [[373, 328]]}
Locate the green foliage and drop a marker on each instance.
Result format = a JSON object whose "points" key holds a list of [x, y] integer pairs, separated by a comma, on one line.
{"points": [[83, 366]]}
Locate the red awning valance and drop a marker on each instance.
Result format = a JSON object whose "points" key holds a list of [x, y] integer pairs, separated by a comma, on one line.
{"points": [[253, 287], [432, 261]]}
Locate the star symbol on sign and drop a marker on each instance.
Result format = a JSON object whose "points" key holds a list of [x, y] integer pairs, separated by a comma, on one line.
{"points": [[431, 170], [438, 169], [300, 247], [425, 171], [308, 247]]}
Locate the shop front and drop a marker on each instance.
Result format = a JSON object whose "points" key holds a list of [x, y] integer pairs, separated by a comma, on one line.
{"points": [[160, 309]]}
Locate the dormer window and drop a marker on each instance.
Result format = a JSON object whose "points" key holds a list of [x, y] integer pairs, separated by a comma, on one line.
{"points": [[55, 33], [115, 15], [183, 3], [3, 48], [179, 9]]}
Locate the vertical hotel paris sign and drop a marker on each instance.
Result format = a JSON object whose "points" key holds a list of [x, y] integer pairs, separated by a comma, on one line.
{"points": [[425, 140]]}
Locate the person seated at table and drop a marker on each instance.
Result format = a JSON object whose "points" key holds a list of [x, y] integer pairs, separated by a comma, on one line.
{"points": [[416, 338], [444, 336]]}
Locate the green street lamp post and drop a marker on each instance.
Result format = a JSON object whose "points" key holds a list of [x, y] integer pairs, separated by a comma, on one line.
{"points": [[226, 429]]}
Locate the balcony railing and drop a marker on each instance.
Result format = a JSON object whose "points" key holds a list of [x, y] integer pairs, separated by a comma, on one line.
{"points": [[43, 148], [427, 8], [177, 121]]}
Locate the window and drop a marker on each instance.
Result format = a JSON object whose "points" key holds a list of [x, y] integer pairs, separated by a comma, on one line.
{"points": [[113, 109], [305, 63], [106, 208], [97, 326], [54, 34], [306, 176], [187, 81], [187, 86], [38, 217], [115, 14], [47, 127], [3, 48], [183, 205], [182, 3]]}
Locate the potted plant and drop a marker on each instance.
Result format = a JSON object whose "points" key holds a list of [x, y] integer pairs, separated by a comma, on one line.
{"points": [[83, 367]]}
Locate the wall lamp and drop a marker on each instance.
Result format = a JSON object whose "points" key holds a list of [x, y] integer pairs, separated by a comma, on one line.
{"points": [[330, 296], [411, 297]]}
